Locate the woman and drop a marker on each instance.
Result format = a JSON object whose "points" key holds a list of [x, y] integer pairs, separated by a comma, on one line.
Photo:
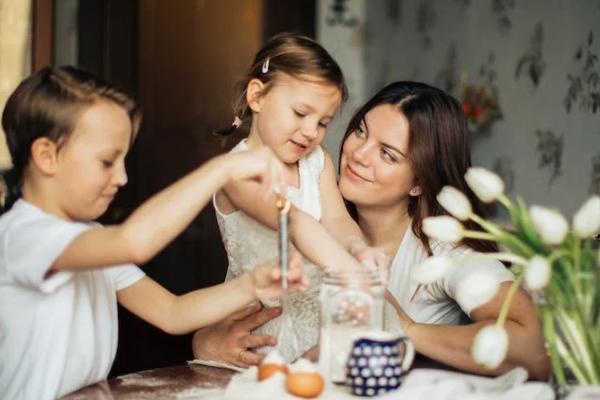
{"points": [[399, 150]]}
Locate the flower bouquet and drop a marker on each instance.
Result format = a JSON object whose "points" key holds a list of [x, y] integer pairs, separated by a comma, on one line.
{"points": [[557, 264], [480, 105]]}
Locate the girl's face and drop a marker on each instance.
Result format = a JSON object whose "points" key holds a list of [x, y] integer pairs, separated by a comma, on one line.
{"points": [[90, 165], [374, 169], [292, 117]]}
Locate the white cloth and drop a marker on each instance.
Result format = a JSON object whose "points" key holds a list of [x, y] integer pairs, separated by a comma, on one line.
{"points": [[249, 243], [434, 303], [419, 384], [57, 334]]}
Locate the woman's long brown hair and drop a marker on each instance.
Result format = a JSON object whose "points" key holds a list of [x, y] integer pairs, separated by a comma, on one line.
{"points": [[438, 151]]}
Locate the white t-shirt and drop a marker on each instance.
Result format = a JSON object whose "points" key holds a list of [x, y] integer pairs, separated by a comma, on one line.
{"points": [[434, 303], [60, 333]]}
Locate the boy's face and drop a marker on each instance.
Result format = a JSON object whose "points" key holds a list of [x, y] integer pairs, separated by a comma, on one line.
{"points": [[91, 163], [292, 117]]}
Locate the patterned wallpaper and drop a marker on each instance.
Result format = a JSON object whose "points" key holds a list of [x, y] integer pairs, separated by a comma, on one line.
{"points": [[539, 56]]}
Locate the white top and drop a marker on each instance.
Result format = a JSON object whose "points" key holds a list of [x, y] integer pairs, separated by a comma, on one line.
{"points": [[57, 334], [435, 303], [249, 243]]}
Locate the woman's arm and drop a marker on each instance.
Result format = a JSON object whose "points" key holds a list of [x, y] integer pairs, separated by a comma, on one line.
{"points": [[232, 340], [161, 218], [451, 344], [193, 310]]}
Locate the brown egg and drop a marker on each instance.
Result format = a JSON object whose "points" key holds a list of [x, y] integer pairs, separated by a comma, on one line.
{"points": [[267, 370], [305, 384]]}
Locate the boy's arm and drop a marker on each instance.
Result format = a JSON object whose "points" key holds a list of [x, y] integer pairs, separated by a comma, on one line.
{"points": [[193, 310], [165, 215]]}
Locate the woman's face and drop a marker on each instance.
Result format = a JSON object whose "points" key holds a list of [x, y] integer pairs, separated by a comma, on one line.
{"points": [[374, 169]]}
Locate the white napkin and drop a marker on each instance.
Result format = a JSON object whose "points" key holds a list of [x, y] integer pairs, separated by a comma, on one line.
{"points": [[426, 384], [585, 392]]}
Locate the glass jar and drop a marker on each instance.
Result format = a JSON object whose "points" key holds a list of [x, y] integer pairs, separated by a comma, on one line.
{"points": [[351, 304]]}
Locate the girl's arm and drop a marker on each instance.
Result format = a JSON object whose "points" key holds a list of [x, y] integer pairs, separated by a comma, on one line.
{"points": [[165, 215], [337, 220], [451, 344], [307, 234], [186, 313]]}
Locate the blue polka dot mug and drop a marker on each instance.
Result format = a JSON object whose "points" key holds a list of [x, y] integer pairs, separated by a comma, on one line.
{"points": [[377, 361]]}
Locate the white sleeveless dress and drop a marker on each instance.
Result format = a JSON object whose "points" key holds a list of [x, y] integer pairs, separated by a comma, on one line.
{"points": [[249, 243]]}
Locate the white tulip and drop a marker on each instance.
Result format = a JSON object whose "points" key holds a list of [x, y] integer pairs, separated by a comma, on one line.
{"points": [[537, 273], [431, 270], [586, 221], [490, 346], [485, 184], [443, 228], [550, 224], [455, 202], [476, 289]]}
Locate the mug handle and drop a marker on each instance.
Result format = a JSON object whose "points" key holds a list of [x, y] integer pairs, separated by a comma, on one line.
{"points": [[409, 354]]}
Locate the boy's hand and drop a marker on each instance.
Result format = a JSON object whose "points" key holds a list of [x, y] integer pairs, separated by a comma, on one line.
{"points": [[260, 164], [266, 278]]}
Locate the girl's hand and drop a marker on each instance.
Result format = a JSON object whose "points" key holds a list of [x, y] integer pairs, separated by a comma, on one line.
{"points": [[260, 164], [266, 278], [373, 257]]}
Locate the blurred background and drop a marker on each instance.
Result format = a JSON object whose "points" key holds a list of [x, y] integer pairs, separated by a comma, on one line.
{"points": [[527, 73]]}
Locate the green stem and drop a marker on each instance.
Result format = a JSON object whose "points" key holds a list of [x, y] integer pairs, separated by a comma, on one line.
{"points": [[557, 254], [577, 265], [479, 235], [508, 300], [579, 354], [550, 335], [505, 201], [511, 241]]}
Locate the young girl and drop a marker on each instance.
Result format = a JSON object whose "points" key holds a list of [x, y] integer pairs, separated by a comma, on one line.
{"points": [[290, 94], [60, 274]]}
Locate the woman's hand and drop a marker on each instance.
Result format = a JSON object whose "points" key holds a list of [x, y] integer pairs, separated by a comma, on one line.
{"points": [[266, 278], [231, 340]]}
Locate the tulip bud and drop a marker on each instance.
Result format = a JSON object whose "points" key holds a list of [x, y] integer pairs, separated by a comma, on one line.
{"points": [[490, 346], [485, 184], [431, 270], [537, 273], [549, 224], [455, 202], [476, 289], [443, 228], [586, 221]]}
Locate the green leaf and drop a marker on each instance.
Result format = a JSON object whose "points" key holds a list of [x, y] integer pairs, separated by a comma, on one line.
{"points": [[526, 230]]}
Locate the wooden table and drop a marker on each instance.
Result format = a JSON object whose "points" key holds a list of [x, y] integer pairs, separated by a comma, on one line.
{"points": [[178, 382], [163, 383]]}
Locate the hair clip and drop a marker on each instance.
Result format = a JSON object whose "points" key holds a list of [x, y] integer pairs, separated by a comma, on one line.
{"points": [[265, 66], [237, 122]]}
